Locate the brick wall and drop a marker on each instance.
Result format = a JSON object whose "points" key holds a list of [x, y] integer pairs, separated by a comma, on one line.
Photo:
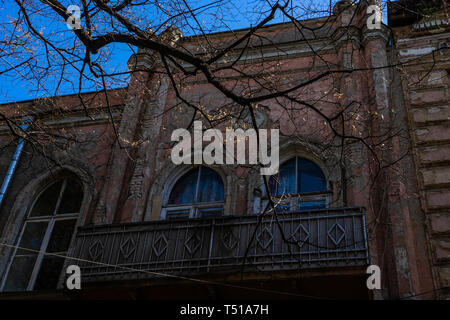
{"points": [[425, 76]]}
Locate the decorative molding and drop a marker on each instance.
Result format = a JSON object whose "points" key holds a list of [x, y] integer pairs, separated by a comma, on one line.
{"points": [[135, 188], [431, 25], [375, 34]]}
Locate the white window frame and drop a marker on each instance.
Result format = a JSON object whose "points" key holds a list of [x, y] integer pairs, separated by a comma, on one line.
{"points": [[51, 219], [193, 208], [295, 199]]}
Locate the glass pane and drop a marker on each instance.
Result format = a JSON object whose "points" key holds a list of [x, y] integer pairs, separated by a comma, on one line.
{"points": [[177, 214], [49, 273], [273, 183], [283, 207], [71, 199], [20, 273], [61, 235], [45, 205], [210, 212], [184, 190], [284, 182], [310, 205], [311, 178], [32, 236], [211, 186]]}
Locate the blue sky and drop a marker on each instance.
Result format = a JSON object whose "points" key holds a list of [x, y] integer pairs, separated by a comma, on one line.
{"points": [[14, 87]]}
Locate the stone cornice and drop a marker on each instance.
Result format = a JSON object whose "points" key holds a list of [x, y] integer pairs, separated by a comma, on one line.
{"points": [[143, 60], [72, 120], [375, 34], [147, 59]]}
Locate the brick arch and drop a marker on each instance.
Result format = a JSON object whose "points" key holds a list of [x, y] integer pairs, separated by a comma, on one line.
{"points": [[28, 195]]}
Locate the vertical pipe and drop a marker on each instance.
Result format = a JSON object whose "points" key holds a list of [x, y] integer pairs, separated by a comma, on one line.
{"points": [[14, 161]]}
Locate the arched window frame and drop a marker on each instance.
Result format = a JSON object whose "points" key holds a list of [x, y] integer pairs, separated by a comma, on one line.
{"points": [[299, 201], [191, 210], [50, 219]]}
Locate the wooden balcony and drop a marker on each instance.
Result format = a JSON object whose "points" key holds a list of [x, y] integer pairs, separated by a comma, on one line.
{"points": [[327, 238]]}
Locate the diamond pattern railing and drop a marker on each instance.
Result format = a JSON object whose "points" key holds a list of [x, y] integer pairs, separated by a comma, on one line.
{"points": [[327, 238]]}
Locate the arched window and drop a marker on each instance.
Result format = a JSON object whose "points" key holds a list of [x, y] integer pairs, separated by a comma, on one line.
{"points": [[198, 193], [301, 183], [48, 228]]}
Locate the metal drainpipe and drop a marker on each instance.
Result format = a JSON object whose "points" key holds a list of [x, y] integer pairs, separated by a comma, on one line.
{"points": [[14, 160]]}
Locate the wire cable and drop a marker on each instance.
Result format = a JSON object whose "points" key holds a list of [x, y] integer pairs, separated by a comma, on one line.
{"points": [[166, 274]]}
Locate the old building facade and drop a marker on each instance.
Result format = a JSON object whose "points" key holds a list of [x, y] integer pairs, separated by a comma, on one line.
{"points": [[100, 190], [425, 98]]}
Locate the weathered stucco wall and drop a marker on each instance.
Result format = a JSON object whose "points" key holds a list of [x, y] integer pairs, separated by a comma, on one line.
{"points": [[84, 152], [129, 175], [425, 77], [396, 222]]}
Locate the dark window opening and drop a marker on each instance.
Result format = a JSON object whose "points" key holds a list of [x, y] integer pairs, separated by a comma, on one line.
{"points": [[198, 193], [300, 184], [48, 229]]}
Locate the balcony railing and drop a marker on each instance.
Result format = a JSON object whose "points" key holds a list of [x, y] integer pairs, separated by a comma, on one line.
{"points": [[326, 238]]}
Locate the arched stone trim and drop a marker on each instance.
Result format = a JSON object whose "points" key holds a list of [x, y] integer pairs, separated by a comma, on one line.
{"points": [[326, 160], [26, 198], [168, 175]]}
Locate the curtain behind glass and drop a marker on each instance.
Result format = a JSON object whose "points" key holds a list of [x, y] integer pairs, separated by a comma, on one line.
{"points": [[284, 182], [210, 189], [211, 186], [184, 190], [311, 178]]}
